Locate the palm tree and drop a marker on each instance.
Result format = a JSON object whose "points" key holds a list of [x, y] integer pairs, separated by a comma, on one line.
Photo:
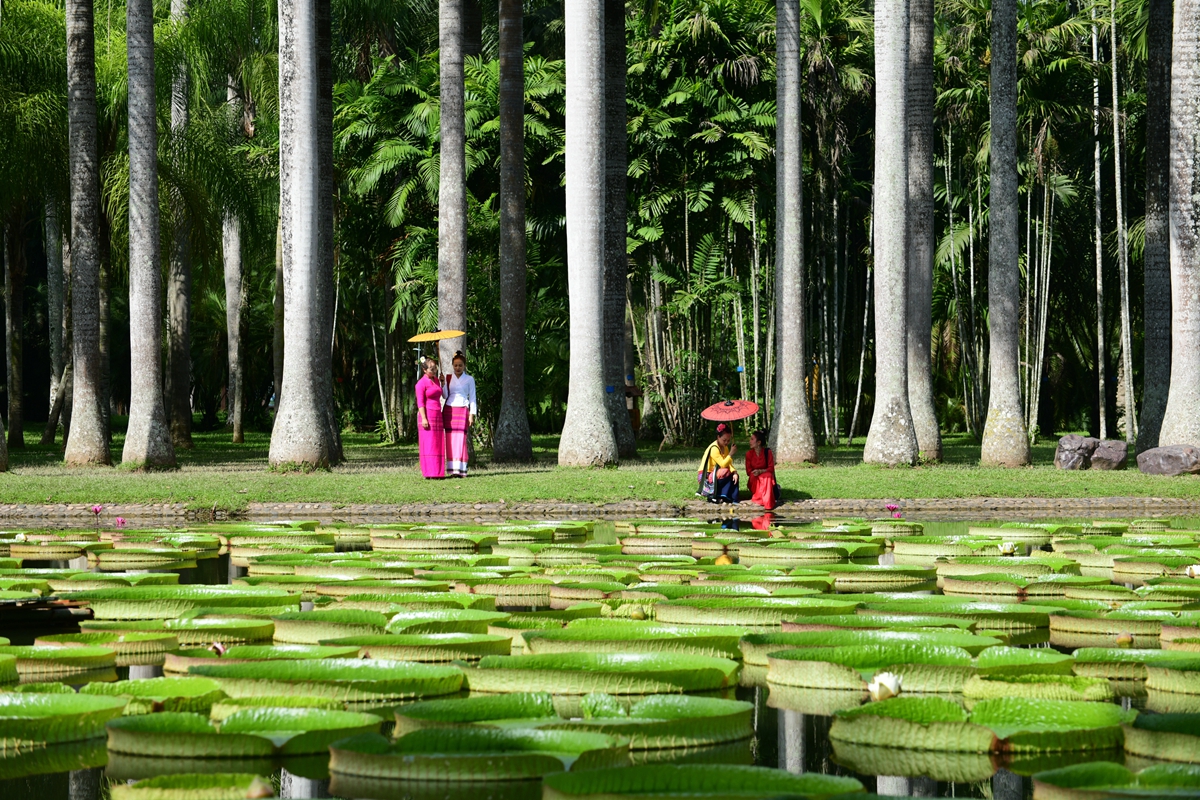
{"points": [[179, 275], [616, 258], [891, 439], [921, 228], [14, 324], [511, 440], [587, 436], [1181, 421], [231, 252], [87, 444], [306, 432], [1005, 440], [791, 430], [148, 440], [1157, 300], [452, 182]]}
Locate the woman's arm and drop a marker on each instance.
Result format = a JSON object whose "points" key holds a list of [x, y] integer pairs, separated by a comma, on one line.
{"points": [[471, 397], [724, 461]]}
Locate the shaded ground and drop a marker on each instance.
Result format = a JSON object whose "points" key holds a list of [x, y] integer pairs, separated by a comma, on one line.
{"points": [[232, 476]]}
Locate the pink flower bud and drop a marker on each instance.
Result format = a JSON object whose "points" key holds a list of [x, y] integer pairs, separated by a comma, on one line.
{"points": [[120, 522], [897, 515], [97, 509]]}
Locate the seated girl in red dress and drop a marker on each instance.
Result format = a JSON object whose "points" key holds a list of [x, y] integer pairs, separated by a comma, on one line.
{"points": [[760, 472]]}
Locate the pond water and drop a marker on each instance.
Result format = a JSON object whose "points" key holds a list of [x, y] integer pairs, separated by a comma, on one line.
{"points": [[789, 734]]}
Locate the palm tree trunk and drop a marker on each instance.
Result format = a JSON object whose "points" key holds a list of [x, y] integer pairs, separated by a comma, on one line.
{"points": [[87, 443], [148, 440], [1181, 422], [1005, 441], [14, 325], [277, 308], [891, 439], [511, 441], [179, 277], [54, 294], [616, 258], [1098, 241], [587, 437], [305, 433], [1156, 371], [1123, 247], [791, 429], [452, 183], [921, 229], [231, 251]]}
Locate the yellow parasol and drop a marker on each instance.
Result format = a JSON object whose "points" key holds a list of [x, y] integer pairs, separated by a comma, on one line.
{"points": [[437, 336]]}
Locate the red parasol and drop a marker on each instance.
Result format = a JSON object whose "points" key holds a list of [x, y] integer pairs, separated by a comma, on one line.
{"points": [[730, 410]]}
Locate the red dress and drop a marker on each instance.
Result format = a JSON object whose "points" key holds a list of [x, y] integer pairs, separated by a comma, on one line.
{"points": [[762, 487]]}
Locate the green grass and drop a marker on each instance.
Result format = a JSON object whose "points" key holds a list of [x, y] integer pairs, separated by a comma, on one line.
{"points": [[230, 476]]}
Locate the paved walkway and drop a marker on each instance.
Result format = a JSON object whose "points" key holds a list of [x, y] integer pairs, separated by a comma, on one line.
{"points": [[973, 508]]}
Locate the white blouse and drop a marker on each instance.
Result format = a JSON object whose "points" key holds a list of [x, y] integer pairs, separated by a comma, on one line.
{"points": [[460, 392]]}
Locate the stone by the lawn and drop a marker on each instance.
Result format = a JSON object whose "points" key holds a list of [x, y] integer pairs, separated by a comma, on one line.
{"points": [[1074, 451], [1175, 459], [1110, 454]]}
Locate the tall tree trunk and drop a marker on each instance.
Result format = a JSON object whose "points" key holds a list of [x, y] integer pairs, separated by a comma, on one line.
{"points": [[60, 408], [179, 277], [1005, 440], [277, 306], [1156, 370], [587, 436], [87, 443], [1181, 421], [452, 183], [891, 439], [511, 441], [616, 258], [1122, 245], [54, 294], [14, 325], [921, 229], [231, 250], [305, 432], [1098, 242], [148, 439], [791, 430]]}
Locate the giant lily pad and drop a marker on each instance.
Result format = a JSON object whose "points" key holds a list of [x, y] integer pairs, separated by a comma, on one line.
{"points": [[529, 707], [151, 695], [169, 602], [132, 649], [29, 719], [698, 781], [216, 786], [756, 646], [250, 733], [1178, 676], [1170, 737], [482, 755], [584, 673], [921, 667], [1037, 686], [310, 627], [183, 660], [666, 721], [427, 647], [754, 612], [448, 620], [348, 680], [47, 663], [611, 636], [1107, 780]]}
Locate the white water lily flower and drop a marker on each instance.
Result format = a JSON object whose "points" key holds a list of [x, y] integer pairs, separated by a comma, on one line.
{"points": [[885, 685], [1007, 548], [1125, 639], [1193, 571]]}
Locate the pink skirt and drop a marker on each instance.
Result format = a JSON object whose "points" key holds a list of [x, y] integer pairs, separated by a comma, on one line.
{"points": [[455, 422], [432, 444]]}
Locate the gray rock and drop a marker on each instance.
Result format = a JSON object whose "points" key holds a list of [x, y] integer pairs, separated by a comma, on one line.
{"points": [[1110, 454], [1175, 459], [1074, 451]]}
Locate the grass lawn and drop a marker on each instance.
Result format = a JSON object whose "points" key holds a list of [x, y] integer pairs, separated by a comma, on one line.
{"points": [[231, 476]]}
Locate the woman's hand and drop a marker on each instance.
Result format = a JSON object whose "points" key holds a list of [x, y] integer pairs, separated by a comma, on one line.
{"points": [[470, 420], [424, 420]]}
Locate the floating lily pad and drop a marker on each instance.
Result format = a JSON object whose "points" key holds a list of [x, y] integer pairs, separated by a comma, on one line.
{"points": [[28, 719], [152, 695], [348, 680], [584, 673], [427, 647], [698, 781]]}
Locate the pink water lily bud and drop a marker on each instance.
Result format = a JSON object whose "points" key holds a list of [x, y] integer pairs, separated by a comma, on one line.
{"points": [[97, 509], [897, 515], [120, 522]]}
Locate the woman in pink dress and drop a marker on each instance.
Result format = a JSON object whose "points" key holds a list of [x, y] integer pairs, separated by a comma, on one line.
{"points": [[431, 437]]}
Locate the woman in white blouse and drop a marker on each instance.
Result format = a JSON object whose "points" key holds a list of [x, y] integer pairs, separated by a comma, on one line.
{"points": [[458, 415]]}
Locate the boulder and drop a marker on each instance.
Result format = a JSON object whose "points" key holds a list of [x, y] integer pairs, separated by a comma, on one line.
{"points": [[1175, 459], [1110, 454], [1074, 451]]}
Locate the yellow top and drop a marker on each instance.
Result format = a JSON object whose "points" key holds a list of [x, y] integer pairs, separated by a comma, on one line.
{"points": [[714, 457]]}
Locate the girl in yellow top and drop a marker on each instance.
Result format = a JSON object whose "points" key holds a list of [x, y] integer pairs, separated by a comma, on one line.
{"points": [[717, 478]]}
